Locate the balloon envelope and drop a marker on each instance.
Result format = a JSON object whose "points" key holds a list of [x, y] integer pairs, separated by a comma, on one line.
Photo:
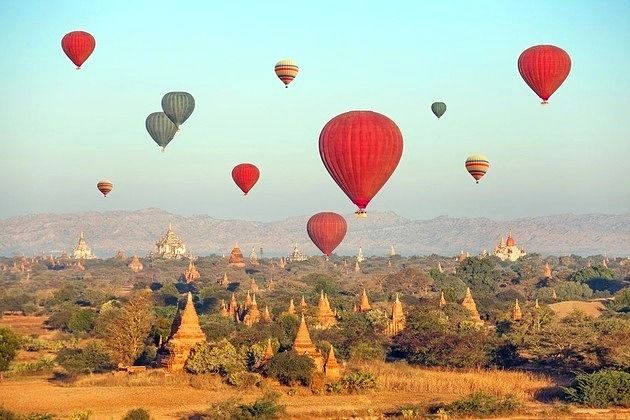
{"points": [[161, 128], [178, 106], [544, 68], [438, 108], [78, 46], [477, 166], [245, 175], [286, 70], [105, 186], [360, 150], [326, 230]]}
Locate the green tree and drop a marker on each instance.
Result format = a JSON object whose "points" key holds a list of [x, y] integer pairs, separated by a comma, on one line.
{"points": [[93, 358], [290, 368], [589, 273], [222, 358], [129, 328], [569, 290], [81, 321], [9, 345], [480, 274]]}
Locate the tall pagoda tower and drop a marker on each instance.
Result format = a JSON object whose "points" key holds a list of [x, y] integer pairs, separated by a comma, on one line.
{"points": [[471, 306], [304, 346], [397, 323]]}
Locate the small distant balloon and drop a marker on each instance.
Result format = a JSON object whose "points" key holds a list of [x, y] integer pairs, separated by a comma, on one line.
{"points": [[245, 175], [477, 166], [286, 70], [438, 108], [178, 106], [544, 68], [326, 230], [105, 186], [78, 46], [161, 128]]}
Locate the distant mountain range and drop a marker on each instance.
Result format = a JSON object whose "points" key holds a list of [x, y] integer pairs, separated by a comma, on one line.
{"points": [[137, 231]]}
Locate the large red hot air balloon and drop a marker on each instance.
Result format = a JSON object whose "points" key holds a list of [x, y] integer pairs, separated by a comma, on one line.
{"points": [[78, 46], [245, 175], [326, 230], [360, 150], [544, 68]]}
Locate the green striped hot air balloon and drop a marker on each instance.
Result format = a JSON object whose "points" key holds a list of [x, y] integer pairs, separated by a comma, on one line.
{"points": [[438, 108], [178, 106], [161, 128]]}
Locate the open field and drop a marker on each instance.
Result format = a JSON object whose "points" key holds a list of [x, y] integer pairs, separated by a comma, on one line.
{"points": [[109, 397], [25, 324], [593, 308]]}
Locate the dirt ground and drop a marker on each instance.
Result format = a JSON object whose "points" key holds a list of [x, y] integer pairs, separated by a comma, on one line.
{"points": [[25, 324], [593, 308], [38, 394]]}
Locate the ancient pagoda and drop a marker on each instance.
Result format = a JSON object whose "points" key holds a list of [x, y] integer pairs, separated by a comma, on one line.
{"points": [[270, 284], [191, 274], [442, 299], [233, 307], [291, 309], [517, 314], [325, 316], [236, 257], [471, 306], [185, 335], [392, 252], [357, 268], [266, 316], [224, 282], [304, 346], [297, 255], [82, 251], [135, 265], [360, 257], [254, 286], [332, 370], [170, 246], [223, 309], [547, 271], [253, 258], [439, 268], [252, 315], [397, 323], [282, 263], [268, 353], [508, 250], [303, 305], [364, 303], [120, 255]]}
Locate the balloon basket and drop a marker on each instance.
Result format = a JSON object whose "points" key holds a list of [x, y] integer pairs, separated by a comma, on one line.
{"points": [[543, 103], [360, 213]]}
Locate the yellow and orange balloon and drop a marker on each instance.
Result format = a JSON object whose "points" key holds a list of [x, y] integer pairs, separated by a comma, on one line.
{"points": [[477, 166], [286, 70], [105, 186]]}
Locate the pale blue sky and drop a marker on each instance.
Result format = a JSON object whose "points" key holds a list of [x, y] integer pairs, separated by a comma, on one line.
{"points": [[63, 130]]}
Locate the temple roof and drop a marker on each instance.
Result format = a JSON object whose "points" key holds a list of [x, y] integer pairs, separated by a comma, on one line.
{"points": [[188, 324], [303, 343]]}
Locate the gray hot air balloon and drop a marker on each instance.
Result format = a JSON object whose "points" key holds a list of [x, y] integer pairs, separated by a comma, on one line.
{"points": [[178, 106], [161, 128], [438, 108]]}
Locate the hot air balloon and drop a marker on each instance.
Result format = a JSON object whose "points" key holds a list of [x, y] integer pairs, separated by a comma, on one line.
{"points": [[245, 175], [477, 166], [544, 68], [286, 70], [78, 46], [438, 108], [105, 186], [178, 106], [326, 230], [360, 150], [161, 128]]}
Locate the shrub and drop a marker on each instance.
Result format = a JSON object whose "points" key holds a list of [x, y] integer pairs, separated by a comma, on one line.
{"points": [[91, 359], [9, 345], [137, 414], [601, 389], [34, 366], [7, 414], [81, 415], [480, 404], [221, 358], [365, 351], [244, 379], [266, 407], [359, 381], [81, 321], [290, 368]]}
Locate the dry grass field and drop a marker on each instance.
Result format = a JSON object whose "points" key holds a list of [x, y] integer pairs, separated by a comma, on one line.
{"points": [[25, 324], [562, 309]]}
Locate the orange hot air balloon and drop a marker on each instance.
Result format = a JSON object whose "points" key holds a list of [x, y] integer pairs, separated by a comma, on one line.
{"points": [[286, 70], [78, 46], [245, 175], [477, 166], [326, 230], [105, 187], [360, 150]]}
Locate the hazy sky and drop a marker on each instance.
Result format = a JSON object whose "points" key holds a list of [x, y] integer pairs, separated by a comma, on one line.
{"points": [[63, 130]]}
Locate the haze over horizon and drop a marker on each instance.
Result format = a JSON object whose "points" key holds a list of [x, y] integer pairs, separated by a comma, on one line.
{"points": [[65, 129]]}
